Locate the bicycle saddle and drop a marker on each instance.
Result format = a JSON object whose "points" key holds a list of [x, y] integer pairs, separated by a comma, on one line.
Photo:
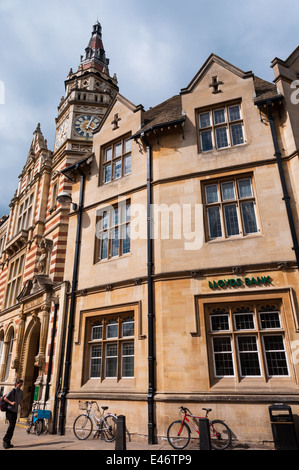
{"points": [[104, 407], [207, 409]]}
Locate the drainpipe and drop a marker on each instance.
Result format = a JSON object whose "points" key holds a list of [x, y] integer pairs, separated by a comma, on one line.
{"points": [[150, 295], [51, 354], [68, 353], [286, 196]]}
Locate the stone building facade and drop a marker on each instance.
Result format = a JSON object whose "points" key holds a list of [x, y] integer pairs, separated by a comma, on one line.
{"points": [[204, 311], [172, 279]]}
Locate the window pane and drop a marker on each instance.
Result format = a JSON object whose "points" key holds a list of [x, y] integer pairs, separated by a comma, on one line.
{"points": [[114, 216], [28, 218], [231, 220], [21, 265], [204, 120], [105, 220], [111, 360], [17, 289], [221, 137], [128, 328], [223, 356], [115, 242], [117, 169], [112, 330], [127, 165], [275, 355], [126, 239], [270, 320], [118, 149], [95, 361], [237, 134], [249, 219], [214, 222], [104, 246], [128, 360], [219, 116], [108, 154], [245, 188], [128, 145], [234, 113], [206, 141], [126, 213], [219, 322], [248, 355], [97, 332], [107, 173], [228, 191], [212, 193], [244, 321], [7, 299]]}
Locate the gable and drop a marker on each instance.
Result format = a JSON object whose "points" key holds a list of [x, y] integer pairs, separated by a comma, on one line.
{"points": [[119, 106], [208, 65]]}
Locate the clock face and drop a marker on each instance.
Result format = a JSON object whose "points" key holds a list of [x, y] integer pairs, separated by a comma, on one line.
{"points": [[61, 133], [85, 125]]}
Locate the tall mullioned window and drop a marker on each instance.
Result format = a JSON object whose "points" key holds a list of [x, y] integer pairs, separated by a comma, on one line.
{"points": [[230, 208], [24, 219], [112, 347], [113, 232], [220, 127], [116, 160], [14, 283]]}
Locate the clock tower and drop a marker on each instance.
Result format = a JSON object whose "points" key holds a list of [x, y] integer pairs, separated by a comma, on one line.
{"points": [[88, 93]]}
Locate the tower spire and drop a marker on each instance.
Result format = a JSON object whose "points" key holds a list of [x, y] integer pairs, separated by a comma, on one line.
{"points": [[94, 53]]}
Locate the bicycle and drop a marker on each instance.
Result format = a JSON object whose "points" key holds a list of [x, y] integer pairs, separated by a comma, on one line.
{"points": [[36, 419], [105, 424], [179, 433]]}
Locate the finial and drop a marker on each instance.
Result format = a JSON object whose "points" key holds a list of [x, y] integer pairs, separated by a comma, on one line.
{"points": [[37, 128]]}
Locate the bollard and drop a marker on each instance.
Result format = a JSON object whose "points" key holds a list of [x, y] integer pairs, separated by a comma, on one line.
{"points": [[120, 441], [204, 434]]}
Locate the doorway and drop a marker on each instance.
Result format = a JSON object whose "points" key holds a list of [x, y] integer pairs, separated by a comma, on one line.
{"points": [[31, 371]]}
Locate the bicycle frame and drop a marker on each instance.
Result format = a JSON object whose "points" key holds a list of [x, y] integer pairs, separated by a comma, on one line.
{"points": [[99, 423], [185, 418]]}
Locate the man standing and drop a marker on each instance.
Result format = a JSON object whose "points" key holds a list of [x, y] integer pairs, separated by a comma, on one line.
{"points": [[14, 398]]}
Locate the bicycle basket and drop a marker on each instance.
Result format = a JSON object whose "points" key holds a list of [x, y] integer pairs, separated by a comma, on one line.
{"points": [[83, 405], [43, 414]]}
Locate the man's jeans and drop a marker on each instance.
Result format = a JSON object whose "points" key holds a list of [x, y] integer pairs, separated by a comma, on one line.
{"points": [[11, 417]]}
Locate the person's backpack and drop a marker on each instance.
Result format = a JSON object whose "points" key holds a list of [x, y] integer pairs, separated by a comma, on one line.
{"points": [[3, 404]]}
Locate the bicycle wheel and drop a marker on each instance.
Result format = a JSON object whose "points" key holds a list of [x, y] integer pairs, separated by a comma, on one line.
{"points": [[82, 427], [178, 435], [221, 435], [38, 426], [109, 428]]}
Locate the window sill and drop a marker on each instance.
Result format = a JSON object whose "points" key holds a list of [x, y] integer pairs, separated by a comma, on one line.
{"points": [[115, 180], [111, 384], [222, 149], [235, 238], [113, 258], [254, 385]]}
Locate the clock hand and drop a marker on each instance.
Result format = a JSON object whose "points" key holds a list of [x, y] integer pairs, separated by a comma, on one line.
{"points": [[88, 125]]}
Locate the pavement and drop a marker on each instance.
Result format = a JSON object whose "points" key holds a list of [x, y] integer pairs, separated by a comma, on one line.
{"points": [[49, 442]]}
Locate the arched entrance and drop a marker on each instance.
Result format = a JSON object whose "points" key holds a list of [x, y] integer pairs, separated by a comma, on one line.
{"points": [[31, 348]]}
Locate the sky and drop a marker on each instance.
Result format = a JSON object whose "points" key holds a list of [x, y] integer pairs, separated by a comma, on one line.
{"points": [[155, 48]]}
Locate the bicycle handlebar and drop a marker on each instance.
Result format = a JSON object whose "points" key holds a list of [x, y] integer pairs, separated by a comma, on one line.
{"points": [[184, 410]]}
